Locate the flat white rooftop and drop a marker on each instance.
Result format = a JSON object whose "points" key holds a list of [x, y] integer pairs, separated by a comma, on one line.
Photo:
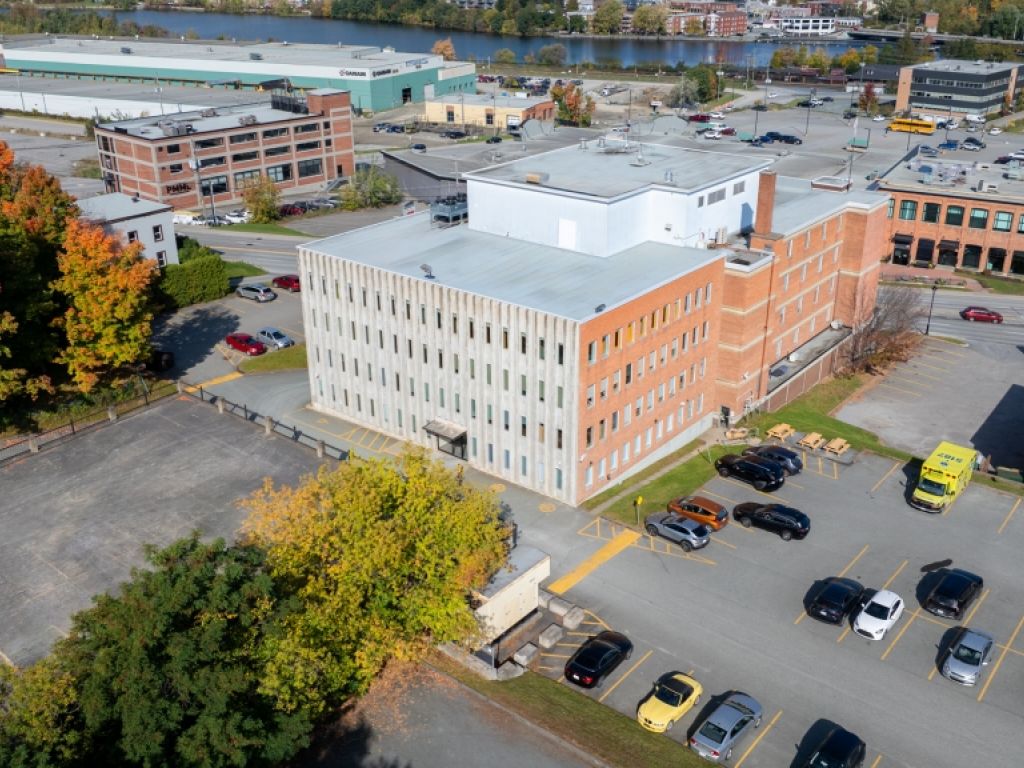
{"points": [[486, 100], [559, 282], [609, 168], [967, 67], [214, 119], [117, 206]]}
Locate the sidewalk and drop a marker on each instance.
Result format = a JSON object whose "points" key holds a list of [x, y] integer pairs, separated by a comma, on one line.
{"points": [[894, 272]]}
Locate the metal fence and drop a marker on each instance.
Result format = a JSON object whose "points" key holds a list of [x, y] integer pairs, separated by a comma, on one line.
{"points": [[270, 426], [73, 424]]}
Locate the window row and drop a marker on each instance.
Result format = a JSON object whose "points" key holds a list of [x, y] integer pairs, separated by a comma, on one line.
{"points": [[653, 434], [931, 213], [625, 376], [638, 329]]}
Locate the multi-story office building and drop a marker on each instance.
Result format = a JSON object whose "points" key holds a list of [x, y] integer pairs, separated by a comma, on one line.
{"points": [[954, 87], [967, 214], [209, 157], [601, 306]]}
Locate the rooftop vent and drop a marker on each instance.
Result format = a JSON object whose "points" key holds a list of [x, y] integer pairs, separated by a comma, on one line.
{"points": [[583, 144], [247, 120], [536, 177], [427, 271], [599, 308], [670, 178], [254, 56], [208, 112]]}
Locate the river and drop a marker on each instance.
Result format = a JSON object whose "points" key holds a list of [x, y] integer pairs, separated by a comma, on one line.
{"points": [[305, 29]]}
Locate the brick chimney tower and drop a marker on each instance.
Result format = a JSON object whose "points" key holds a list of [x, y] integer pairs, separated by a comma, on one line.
{"points": [[765, 203]]}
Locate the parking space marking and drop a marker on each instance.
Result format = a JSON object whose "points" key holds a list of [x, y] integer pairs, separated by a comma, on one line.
{"points": [[885, 477], [995, 669], [595, 620], [592, 563], [726, 499], [903, 629], [975, 607], [631, 670], [917, 361], [661, 547], [913, 381], [843, 634], [748, 488], [897, 573], [1009, 516], [757, 740], [723, 542], [930, 376], [213, 382], [887, 385], [948, 508], [842, 573], [877, 761], [943, 350]]}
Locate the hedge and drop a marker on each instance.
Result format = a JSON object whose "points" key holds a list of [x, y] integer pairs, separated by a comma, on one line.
{"points": [[200, 279]]}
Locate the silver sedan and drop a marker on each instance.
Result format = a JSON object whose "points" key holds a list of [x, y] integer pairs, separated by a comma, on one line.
{"points": [[731, 722], [689, 534], [969, 654], [274, 338]]}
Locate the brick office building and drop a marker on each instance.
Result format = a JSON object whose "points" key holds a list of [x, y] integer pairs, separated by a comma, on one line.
{"points": [[951, 87], [606, 324], [195, 159]]}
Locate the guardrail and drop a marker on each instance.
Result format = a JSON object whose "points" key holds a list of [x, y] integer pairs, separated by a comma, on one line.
{"points": [[270, 426]]}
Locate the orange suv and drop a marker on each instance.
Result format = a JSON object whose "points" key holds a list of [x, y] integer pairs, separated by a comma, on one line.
{"points": [[702, 510]]}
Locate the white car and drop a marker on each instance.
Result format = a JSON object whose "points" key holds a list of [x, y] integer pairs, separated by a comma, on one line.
{"points": [[716, 115], [772, 94], [185, 217], [879, 615], [878, 119], [995, 131], [712, 135], [238, 217]]}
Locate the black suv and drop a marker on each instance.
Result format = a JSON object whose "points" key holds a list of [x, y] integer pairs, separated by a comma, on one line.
{"points": [[773, 136], [836, 600], [761, 473], [790, 139], [840, 749], [954, 592], [789, 523], [785, 458]]}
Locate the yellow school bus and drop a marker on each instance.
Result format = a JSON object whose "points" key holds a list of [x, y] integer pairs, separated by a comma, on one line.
{"points": [[909, 125]]}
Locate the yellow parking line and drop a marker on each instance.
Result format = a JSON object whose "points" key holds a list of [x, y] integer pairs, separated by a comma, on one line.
{"points": [[545, 666], [771, 496], [877, 761], [723, 542], [757, 741], [577, 634], [933, 620], [934, 367], [588, 566], [974, 608], [899, 634], [821, 467], [719, 496], [995, 669], [835, 471], [885, 477], [596, 620], [1009, 516], [213, 382], [912, 381], [944, 350], [931, 675], [843, 634], [946, 510], [618, 682], [546, 655], [853, 562], [1009, 649], [887, 385], [897, 573], [930, 376], [585, 530]]}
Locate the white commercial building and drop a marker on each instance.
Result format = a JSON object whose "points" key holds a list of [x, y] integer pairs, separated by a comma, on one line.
{"points": [[137, 221]]}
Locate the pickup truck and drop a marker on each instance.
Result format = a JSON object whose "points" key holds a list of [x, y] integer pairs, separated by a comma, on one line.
{"points": [[949, 146]]}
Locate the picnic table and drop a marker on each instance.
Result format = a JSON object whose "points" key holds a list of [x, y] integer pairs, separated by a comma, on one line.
{"points": [[781, 431], [811, 441]]}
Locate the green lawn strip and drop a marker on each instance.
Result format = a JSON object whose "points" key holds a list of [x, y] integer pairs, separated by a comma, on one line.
{"points": [[641, 476], [1003, 285], [569, 715], [289, 358], [681, 480], [266, 229], [237, 269]]}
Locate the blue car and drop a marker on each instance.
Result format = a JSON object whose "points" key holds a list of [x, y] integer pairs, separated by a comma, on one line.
{"points": [[949, 146]]}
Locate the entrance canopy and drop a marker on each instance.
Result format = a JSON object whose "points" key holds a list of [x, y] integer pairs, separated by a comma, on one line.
{"points": [[449, 432]]}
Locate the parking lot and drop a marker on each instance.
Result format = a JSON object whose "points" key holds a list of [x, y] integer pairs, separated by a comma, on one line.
{"points": [[732, 616]]}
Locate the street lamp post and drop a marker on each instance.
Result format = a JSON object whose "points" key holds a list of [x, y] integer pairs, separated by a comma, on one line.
{"points": [[807, 125], [861, 83], [928, 325]]}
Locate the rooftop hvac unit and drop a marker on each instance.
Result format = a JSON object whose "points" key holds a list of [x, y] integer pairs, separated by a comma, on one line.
{"points": [[253, 56], [795, 357], [535, 177], [247, 120], [721, 235], [835, 325], [208, 112]]}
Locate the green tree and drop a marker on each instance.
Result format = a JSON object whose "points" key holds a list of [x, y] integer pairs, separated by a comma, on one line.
{"points": [[682, 93], [169, 671], [607, 19], [504, 56], [197, 279], [384, 556], [107, 287], [868, 101], [819, 60], [371, 188], [650, 20], [39, 716], [552, 55], [261, 198], [707, 81]]}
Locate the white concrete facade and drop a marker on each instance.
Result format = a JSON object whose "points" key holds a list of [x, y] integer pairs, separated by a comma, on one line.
{"points": [[393, 352]]}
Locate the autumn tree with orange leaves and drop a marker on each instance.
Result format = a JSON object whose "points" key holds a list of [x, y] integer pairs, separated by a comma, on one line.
{"points": [[574, 107], [107, 322]]}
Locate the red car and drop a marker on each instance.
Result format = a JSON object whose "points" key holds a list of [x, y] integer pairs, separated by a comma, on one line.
{"points": [[981, 315], [287, 282], [243, 342]]}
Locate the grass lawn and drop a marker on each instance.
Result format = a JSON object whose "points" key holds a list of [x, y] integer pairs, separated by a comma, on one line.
{"points": [[237, 269], [1003, 285], [266, 229], [576, 719], [289, 358], [640, 477]]}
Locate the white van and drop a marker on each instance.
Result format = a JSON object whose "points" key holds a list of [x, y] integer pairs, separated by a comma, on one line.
{"points": [[716, 126], [974, 118]]}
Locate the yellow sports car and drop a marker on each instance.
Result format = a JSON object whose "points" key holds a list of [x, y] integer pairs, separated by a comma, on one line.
{"points": [[673, 696]]}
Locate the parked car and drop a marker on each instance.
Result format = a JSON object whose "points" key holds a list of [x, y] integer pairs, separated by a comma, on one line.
{"points": [[160, 360], [453, 134], [396, 129], [836, 600], [381, 127], [926, 151], [289, 283], [972, 146], [700, 509], [700, 117], [238, 217], [789, 523], [673, 696], [323, 202], [849, 114], [290, 209], [806, 103], [727, 131], [689, 534], [969, 654], [789, 460], [712, 135], [827, 98], [995, 130], [773, 136], [840, 749], [730, 723], [878, 616], [418, 148], [949, 146], [760, 107], [763, 474], [243, 342], [716, 115], [878, 119], [186, 217], [980, 315], [258, 292], [953, 594], [772, 95], [597, 658], [212, 221], [272, 337], [974, 142], [1002, 160], [493, 140], [790, 139]]}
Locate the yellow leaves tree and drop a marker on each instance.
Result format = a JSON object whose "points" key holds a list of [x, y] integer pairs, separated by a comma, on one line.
{"points": [[261, 198], [574, 106], [107, 322], [37, 706], [39, 203], [382, 557], [444, 48]]}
